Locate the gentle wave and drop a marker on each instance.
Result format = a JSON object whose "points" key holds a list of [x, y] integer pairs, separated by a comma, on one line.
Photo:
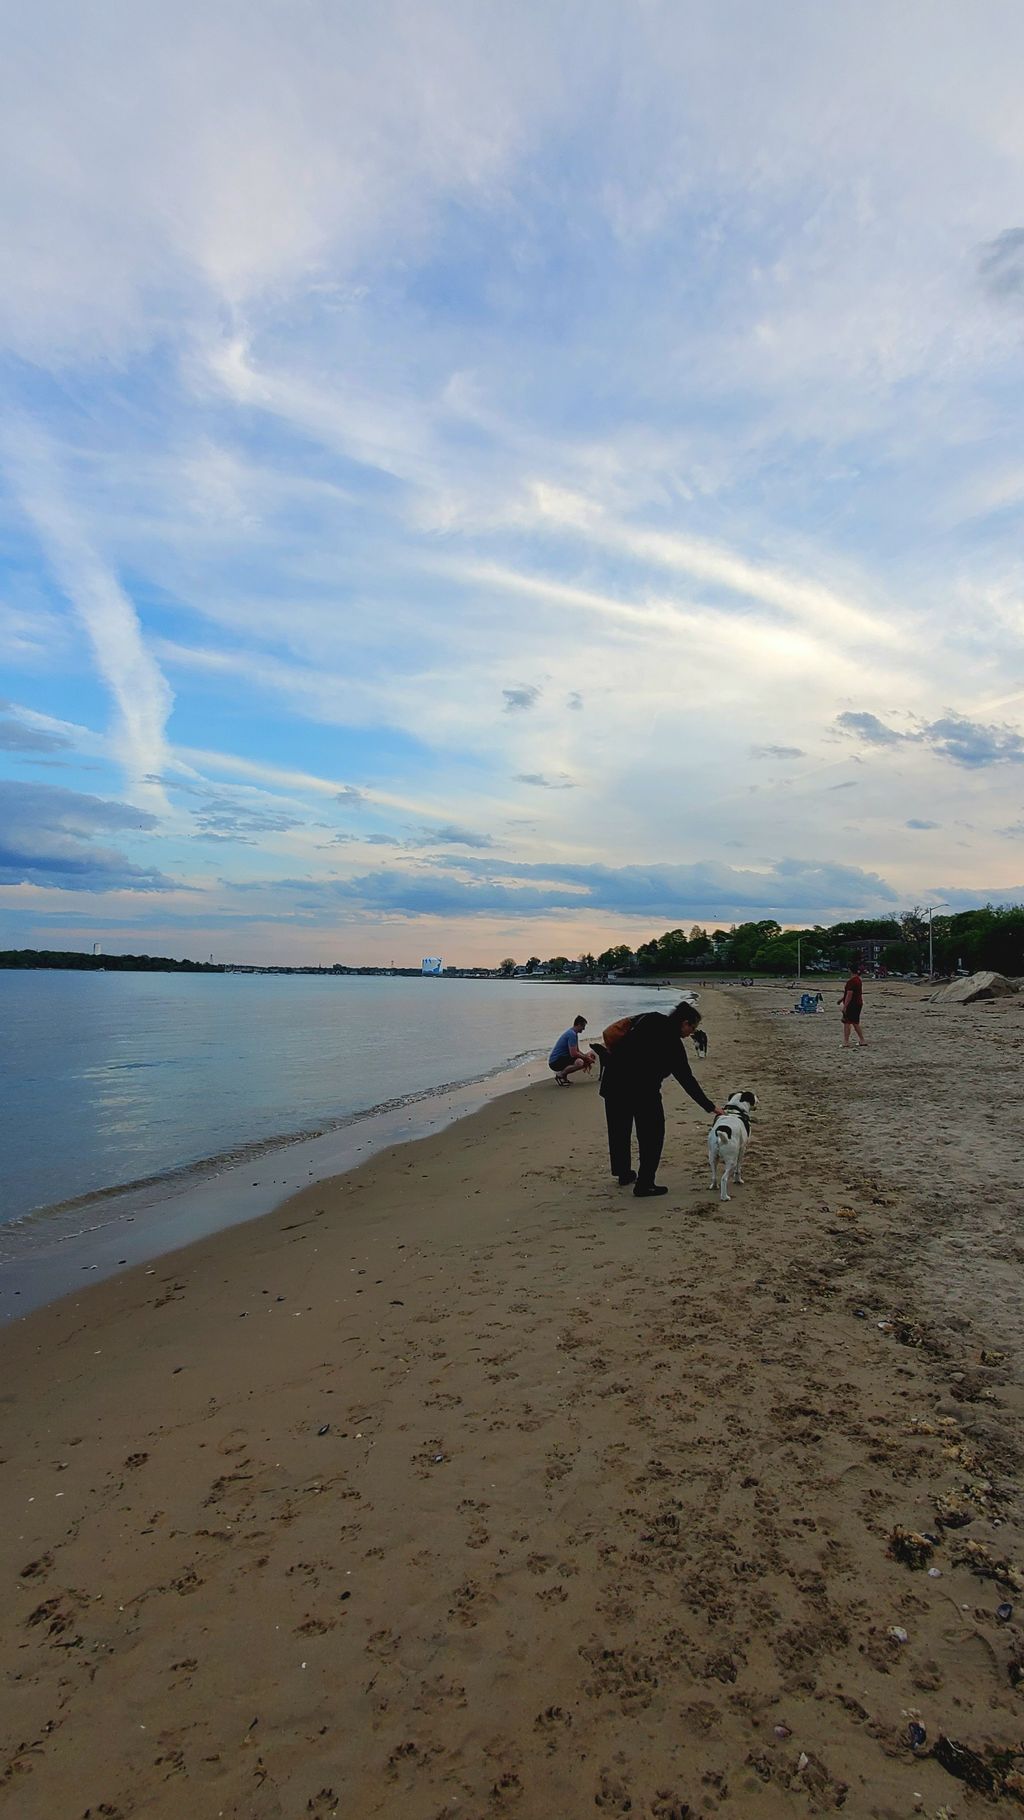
{"points": [[172, 1181]]}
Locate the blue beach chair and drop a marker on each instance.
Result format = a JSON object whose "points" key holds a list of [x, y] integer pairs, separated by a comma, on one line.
{"points": [[809, 1003]]}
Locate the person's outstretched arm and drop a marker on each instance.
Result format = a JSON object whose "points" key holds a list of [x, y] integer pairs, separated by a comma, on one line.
{"points": [[683, 1073]]}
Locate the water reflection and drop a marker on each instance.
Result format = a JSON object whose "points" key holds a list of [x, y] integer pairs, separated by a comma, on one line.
{"points": [[106, 1078]]}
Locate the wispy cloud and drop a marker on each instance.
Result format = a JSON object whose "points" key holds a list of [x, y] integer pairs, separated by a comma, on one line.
{"points": [[449, 836], [707, 890], [141, 697], [870, 729], [808, 602], [1001, 265], [525, 696], [966, 742], [538, 781], [16, 736], [472, 530]]}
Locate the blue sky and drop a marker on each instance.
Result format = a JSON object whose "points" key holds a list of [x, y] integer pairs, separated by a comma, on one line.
{"points": [[481, 479]]}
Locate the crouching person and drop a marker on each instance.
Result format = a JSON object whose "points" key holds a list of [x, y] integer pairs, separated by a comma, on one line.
{"points": [[566, 1058]]}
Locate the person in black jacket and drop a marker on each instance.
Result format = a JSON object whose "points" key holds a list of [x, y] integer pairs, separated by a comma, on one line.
{"points": [[651, 1050]]}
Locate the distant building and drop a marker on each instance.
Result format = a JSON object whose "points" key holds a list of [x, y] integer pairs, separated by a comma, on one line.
{"points": [[870, 951]]}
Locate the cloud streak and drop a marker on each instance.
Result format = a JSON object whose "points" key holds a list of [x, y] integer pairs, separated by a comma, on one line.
{"points": [[141, 697], [521, 491], [792, 890], [15, 736]]}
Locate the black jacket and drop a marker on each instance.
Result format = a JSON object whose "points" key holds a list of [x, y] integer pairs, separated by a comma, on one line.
{"points": [[650, 1051]]}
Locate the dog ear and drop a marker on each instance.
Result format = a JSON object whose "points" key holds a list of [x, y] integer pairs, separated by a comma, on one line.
{"points": [[751, 1098]]}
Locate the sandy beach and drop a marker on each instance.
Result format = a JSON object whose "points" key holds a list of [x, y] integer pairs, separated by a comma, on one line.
{"points": [[466, 1485]]}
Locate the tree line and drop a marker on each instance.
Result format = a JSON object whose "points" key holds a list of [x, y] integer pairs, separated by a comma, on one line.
{"points": [[989, 937], [71, 960]]}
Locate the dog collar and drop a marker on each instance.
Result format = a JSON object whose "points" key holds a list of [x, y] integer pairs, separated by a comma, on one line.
{"points": [[739, 1112]]}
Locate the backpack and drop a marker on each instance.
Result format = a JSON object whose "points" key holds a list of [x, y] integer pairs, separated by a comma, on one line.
{"points": [[615, 1032]]}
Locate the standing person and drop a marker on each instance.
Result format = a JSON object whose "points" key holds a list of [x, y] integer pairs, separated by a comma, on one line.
{"points": [[852, 1003], [651, 1049], [565, 1057]]}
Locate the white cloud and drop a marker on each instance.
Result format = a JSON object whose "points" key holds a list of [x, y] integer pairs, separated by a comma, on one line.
{"points": [[141, 697], [408, 375]]}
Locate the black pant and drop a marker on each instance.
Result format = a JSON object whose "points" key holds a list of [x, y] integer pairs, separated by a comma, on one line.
{"points": [[647, 1113]]}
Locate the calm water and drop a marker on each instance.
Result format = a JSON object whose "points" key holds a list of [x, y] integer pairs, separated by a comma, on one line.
{"points": [[112, 1078]]}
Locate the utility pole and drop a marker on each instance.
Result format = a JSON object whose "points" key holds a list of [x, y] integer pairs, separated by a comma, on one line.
{"points": [[798, 960], [931, 959]]}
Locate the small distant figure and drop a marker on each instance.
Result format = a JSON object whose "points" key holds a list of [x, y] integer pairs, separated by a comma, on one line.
{"points": [[566, 1057], [852, 1008]]}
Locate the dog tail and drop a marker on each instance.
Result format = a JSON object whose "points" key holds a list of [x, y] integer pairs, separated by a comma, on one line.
{"points": [[722, 1132]]}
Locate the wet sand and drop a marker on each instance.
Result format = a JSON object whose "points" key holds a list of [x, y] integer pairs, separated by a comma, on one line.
{"points": [[44, 1257], [467, 1485]]}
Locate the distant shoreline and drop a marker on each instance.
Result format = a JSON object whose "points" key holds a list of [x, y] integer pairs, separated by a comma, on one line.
{"points": [[45, 960]]}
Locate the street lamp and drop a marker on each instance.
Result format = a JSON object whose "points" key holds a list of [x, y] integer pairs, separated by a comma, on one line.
{"points": [[931, 963]]}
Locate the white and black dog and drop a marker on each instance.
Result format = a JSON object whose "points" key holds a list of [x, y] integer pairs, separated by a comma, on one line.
{"points": [[727, 1139]]}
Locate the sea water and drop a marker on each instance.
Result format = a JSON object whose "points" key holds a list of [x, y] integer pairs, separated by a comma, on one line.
{"points": [[109, 1079]]}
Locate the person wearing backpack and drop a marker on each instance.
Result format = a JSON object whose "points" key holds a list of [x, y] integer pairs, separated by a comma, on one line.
{"points": [[636, 1064]]}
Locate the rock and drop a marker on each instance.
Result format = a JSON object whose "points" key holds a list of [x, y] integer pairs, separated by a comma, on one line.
{"points": [[908, 1546], [975, 986], [966, 1765], [979, 1558]]}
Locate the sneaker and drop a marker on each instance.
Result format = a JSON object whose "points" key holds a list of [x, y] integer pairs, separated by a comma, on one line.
{"points": [[624, 1180], [644, 1194]]}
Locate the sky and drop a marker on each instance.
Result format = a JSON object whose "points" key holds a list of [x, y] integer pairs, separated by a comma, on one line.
{"points": [[491, 480]]}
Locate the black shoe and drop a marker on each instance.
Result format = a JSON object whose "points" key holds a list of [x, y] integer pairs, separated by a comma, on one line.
{"points": [[644, 1194], [624, 1180]]}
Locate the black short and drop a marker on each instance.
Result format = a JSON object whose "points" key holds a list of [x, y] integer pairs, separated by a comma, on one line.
{"points": [[852, 1014]]}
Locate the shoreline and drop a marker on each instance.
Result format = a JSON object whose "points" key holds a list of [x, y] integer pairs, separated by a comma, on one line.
{"points": [[139, 1128], [47, 1250], [45, 1254], [467, 1485]]}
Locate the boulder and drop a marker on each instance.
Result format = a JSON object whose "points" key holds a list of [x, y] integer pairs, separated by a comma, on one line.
{"points": [[975, 986]]}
